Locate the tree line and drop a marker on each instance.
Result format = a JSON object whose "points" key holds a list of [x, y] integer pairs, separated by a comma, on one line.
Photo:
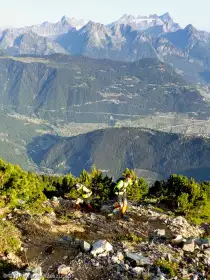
{"points": [[29, 191]]}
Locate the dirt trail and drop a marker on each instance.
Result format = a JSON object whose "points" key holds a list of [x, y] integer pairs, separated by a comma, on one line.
{"points": [[49, 240], [43, 238], [53, 239], [45, 244]]}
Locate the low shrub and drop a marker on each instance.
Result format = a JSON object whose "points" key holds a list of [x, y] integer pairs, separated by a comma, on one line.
{"points": [[9, 237], [168, 267]]}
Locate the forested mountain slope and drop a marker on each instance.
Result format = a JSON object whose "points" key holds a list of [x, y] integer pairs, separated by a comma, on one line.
{"points": [[113, 150], [83, 89]]}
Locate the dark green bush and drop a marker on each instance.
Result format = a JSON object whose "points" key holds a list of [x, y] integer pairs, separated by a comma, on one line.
{"points": [[138, 189], [28, 191], [183, 195]]}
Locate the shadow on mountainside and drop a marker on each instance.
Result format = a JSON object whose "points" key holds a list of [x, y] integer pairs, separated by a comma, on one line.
{"points": [[62, 154], [113, 150], [199, 174], [40, 145]]}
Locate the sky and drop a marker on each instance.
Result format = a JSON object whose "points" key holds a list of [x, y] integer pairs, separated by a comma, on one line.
{"points": [[16, 13]]}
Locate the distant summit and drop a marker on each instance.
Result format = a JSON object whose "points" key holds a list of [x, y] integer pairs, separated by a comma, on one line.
{"points": [[130, 39], [51, 30], [73, 22], [145, 22]]}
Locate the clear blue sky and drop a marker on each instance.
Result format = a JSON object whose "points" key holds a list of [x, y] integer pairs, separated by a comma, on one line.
{"points": [[26, 12]]}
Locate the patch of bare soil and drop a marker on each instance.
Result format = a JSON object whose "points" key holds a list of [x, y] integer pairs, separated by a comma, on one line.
{"points": [[48, 240], [44, 242]]}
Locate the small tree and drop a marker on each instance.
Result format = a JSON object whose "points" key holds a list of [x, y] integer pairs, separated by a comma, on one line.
{"points": [[85, 178], [101, 186], [159, 190], [182, 194], [134, 192], [144, 186], [183, 202], [205, 186]]}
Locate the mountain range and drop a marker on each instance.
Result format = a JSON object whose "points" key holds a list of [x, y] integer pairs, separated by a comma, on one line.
{"points": [[58, 78], [45, 99], [146, 23], [127, 39], [152, 154], [70, 88]]}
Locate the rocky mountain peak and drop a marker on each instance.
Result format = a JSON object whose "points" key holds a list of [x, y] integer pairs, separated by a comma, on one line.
{"points": [[121, 29], [64, 19], [146, 22], [166, 17], [192, 33], [45, 23], [92, 26], [72, 22], [190, 29], [127, 17]]}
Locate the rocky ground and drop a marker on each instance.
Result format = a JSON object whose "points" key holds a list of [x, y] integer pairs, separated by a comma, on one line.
{"points": [[147, 244]]}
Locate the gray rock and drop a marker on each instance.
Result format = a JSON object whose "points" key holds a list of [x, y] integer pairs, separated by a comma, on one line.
{"points": [[120, 256], [101, 246], [103, 255], [96, 264], [126, 267], [207, 261], [184, 272], [168, 257], [114, 259], [36, 273], [138, 270], [15, 274], [207, 252], [179, 239], [159, 277], [9, 216], [117, 259], [51, 215], [138, 259], [85, 246], [77, 241], [180, 225], [162, 277], [160, 232], [93, 216], [26, 275], [64, 270], [150, 212], [189, 246]]}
